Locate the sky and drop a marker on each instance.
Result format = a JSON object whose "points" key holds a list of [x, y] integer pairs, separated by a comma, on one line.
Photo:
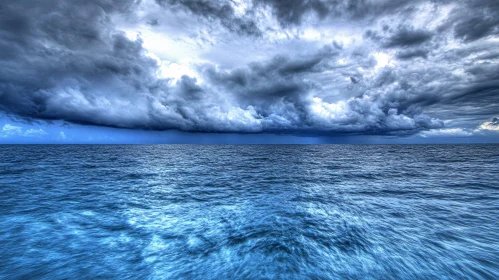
{"points": [[249, 71]]}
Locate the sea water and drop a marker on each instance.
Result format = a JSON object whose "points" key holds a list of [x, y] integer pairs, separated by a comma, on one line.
{"points": [[249, 212]]}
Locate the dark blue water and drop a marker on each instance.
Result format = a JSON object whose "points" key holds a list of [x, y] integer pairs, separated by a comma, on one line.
{"points": [[249, 212]]}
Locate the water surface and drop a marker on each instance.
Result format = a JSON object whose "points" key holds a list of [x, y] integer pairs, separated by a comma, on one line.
{"points": [[249, 212]]}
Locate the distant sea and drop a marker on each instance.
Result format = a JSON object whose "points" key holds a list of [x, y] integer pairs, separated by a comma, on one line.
{"points": [[249, 212]]}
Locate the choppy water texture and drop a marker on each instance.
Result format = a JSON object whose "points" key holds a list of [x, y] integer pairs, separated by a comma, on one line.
{"points": [[249, 212]]}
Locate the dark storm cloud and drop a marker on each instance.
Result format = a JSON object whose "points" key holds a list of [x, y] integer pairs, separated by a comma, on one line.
{"points": [[475, 19], [288, 13], [411, 54], [216, 10], [69, 60], [63, 59], [282, 98], [406, 37], [292, 12], [401, 37]]}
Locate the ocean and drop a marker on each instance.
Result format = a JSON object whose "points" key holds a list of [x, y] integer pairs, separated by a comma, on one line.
{"points": [[249, 211]]}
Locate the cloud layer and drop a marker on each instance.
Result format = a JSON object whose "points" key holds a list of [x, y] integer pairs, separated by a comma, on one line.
{"points": [[305, 67]]}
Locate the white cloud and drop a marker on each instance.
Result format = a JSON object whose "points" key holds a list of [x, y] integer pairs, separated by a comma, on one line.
{"points": [[382, 60], [489, 126], [446, 132], [37, 133], [484, 128], [9, 130], [62, 136]]}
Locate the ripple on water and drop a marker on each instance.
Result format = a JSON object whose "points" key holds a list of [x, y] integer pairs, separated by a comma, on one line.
{"points": [[249, 212]]}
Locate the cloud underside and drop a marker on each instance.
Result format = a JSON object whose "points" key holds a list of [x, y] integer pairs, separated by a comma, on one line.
{"points": [[71, 61]]}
